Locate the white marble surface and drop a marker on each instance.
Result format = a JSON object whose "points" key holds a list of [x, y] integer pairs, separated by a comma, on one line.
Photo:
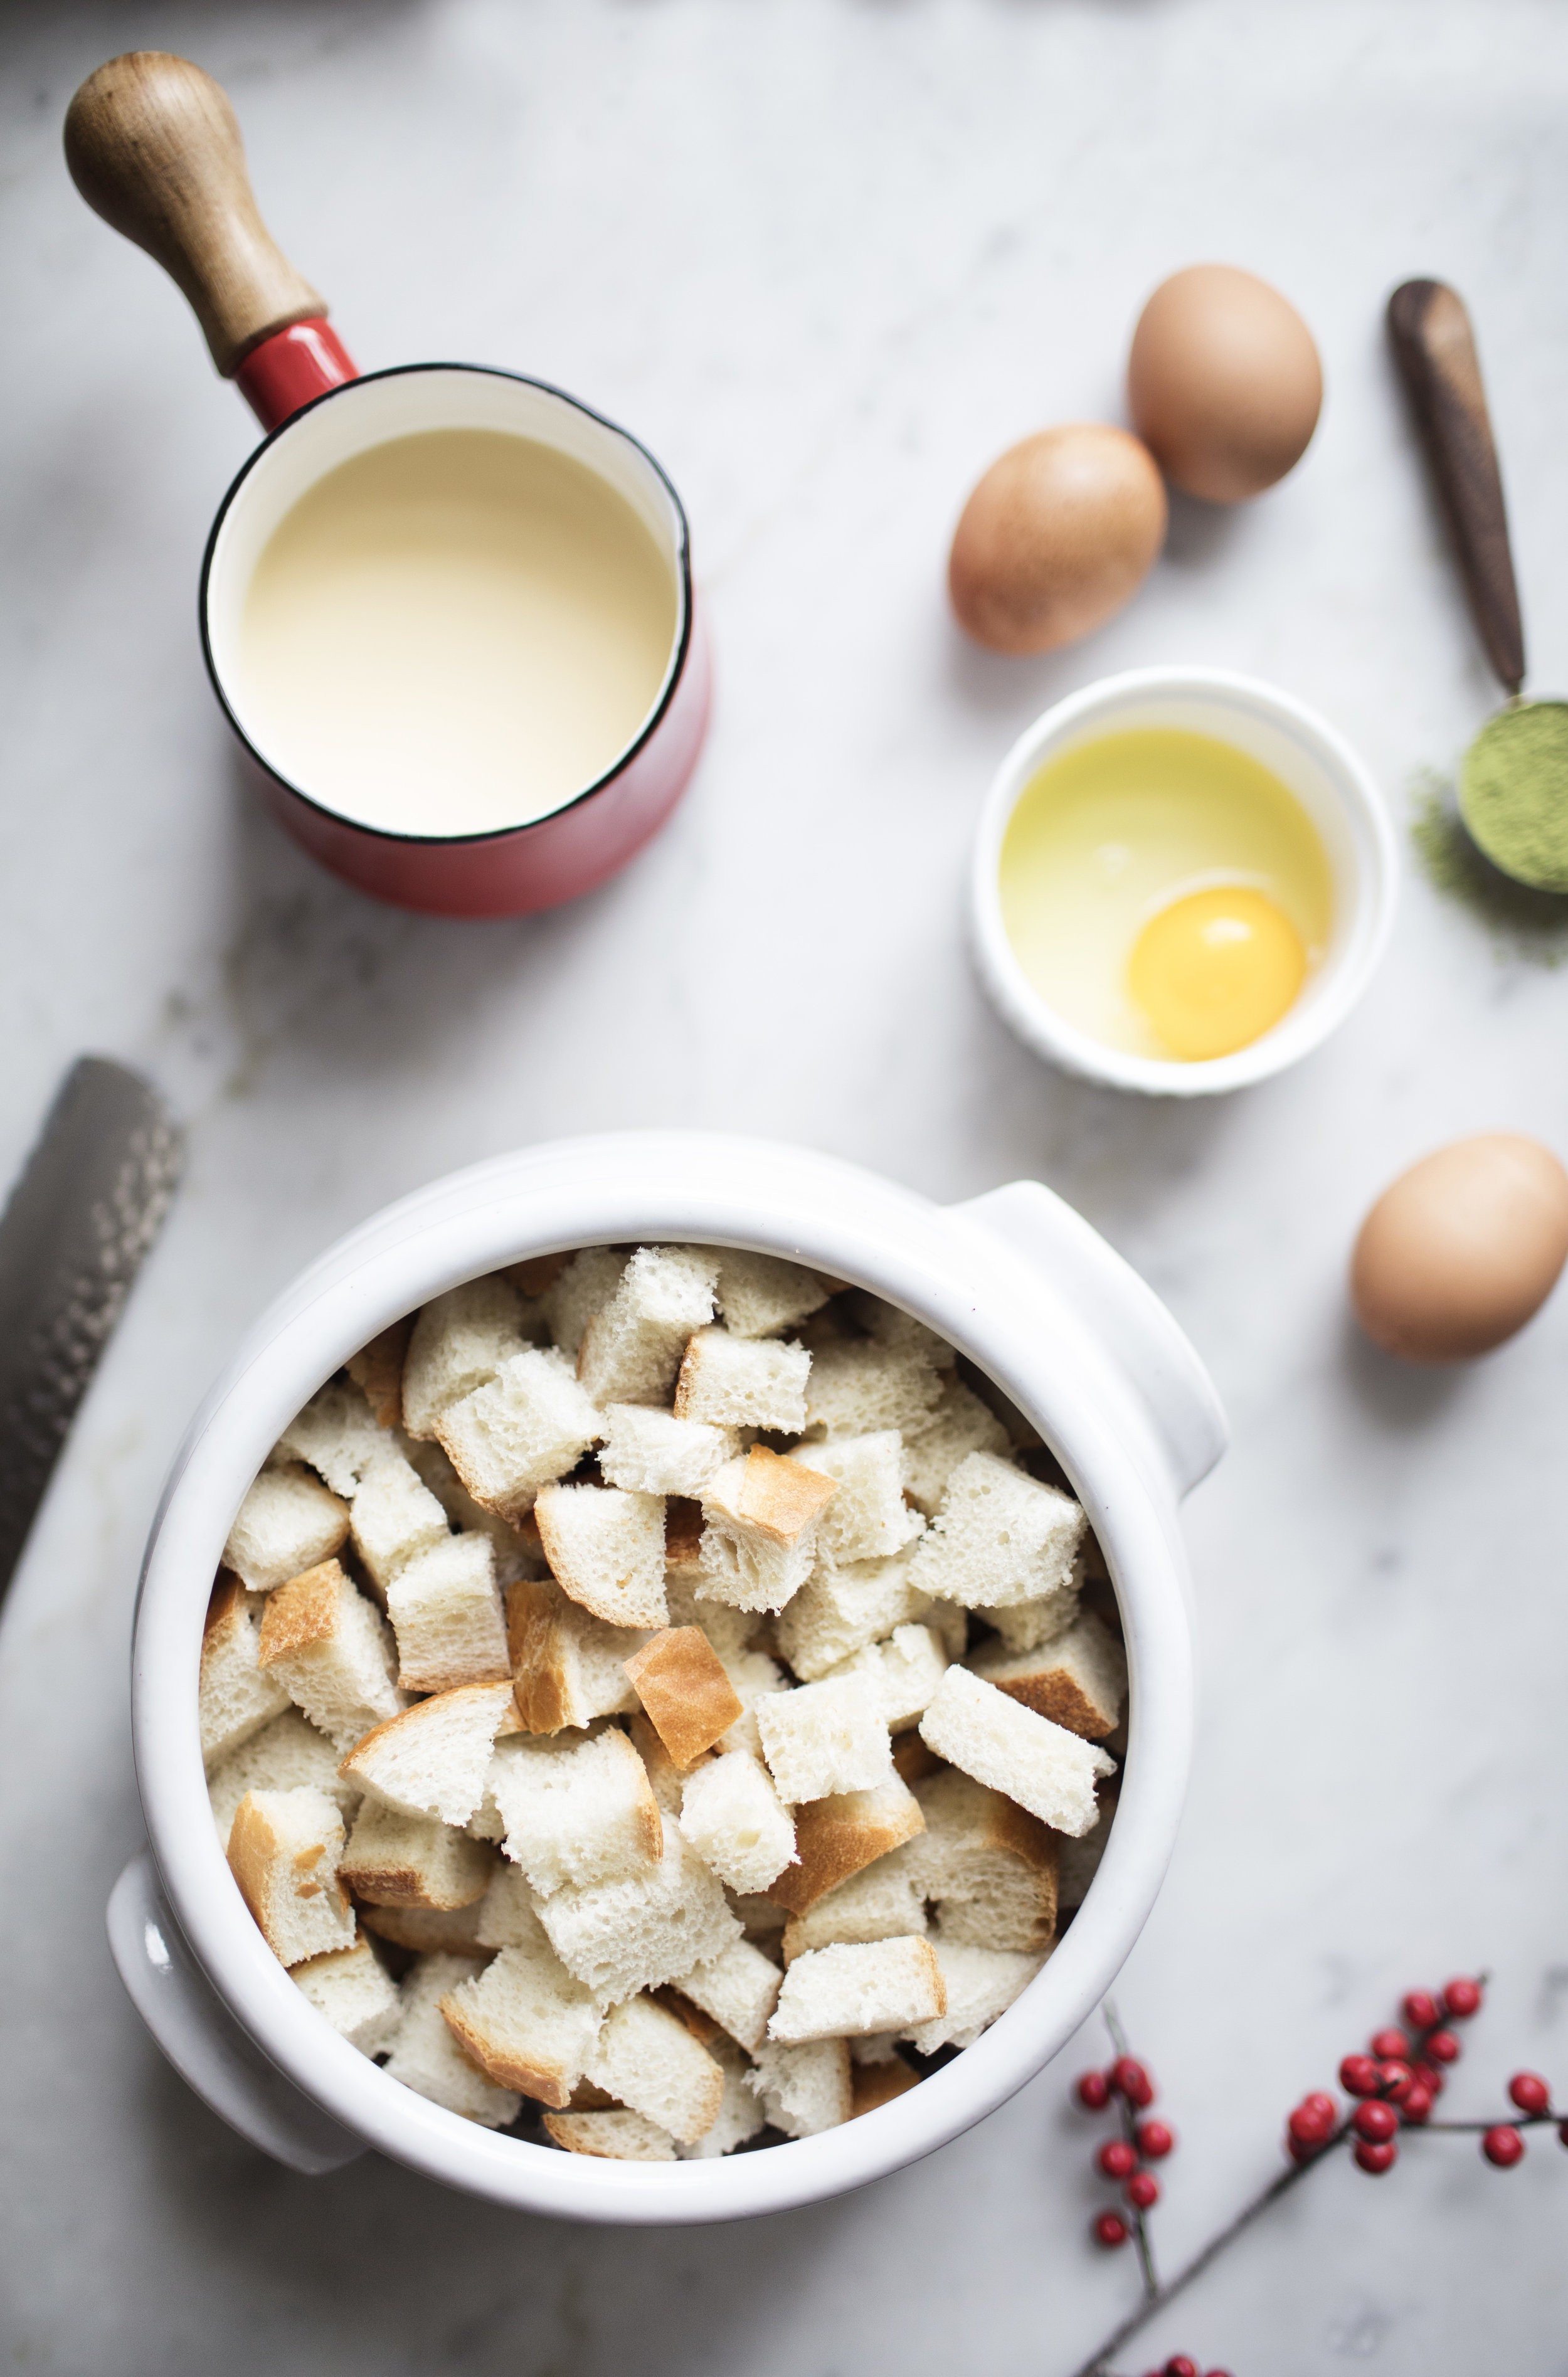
{"points": [[827, 258]]}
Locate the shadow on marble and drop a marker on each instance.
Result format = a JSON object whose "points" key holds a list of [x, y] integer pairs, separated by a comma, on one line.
{"points": [[1404, 1396]]}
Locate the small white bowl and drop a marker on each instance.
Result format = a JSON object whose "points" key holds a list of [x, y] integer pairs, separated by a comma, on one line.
{"points": [[1309, 758]]}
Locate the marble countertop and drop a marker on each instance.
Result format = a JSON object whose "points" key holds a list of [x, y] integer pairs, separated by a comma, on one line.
{"points": [[827, 258]]}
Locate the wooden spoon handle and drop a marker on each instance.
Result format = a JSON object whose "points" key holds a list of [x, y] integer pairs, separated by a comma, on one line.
{"points": [[153, 146], [1435, 349]]}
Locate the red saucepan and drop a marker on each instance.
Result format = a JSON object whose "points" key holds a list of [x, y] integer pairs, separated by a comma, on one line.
{"points": [[446, 610]]}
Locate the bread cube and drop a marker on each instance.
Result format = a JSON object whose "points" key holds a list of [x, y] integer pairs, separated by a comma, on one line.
{"points": [[990, 1866], [515, 1545], [434, 1759], [578, 1813], [506, 1917], [679, 1679], [1043, 1767], [652, 1453], [859, 1387], [336, 1434], [618, 2135], [1079, 1680], [446, 1612], [283, 1853], [394, 1518], [742, 1381], [729, 1631], [980, 1984], [872, 2084], [582, 1287], [803, 2089], [998, 1538], [868, 1518], [733, 1818], [458, 1343], [739, 2115], [825, 1737], [623, 1937], [738, 1990], [881, 1902], [843, 1991], [904, 1672], [839, 1610], [632, 1346], [758, 1544], [525, 2023], [1079, 1862], [898, 1331], [351, 1989], [377, 1371], [838, 1836], [236, 1697], [647, 2060], [530, 1424], [287, 1752], [759, 1294], [665, 1779], [426, 2057], [753, 1676], [396, 1859], [606, 1550], [568, 1667], [288, 1522], [430, 1930], [1026, 1625], [331, 1652], [959, 1423]]}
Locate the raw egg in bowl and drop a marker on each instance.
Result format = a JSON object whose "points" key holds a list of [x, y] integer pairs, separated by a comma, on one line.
{"points": [[1183, 880]]}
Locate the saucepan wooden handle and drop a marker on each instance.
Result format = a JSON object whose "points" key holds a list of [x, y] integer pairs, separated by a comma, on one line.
{"points": [[1435, 349], [153, 146]]}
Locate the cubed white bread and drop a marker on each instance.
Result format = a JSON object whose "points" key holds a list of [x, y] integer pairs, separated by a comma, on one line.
{"points": [[288, 1522], [753, 1577], [632, 1346], [651, 1452], [396, 1859], [1000, 1536], [623, 1937], [729, 1631], [761, 1918], [426, 2057], [525, 2023], [568, 1666], [904, 1672], [517, 1553], [1079, 1680], [619, 2135], [990, 1866], [736, 1822], [1079, 1862], [284, 1755], [283, 1853], [981, 1983], [336, 1434], [377, 1371], [665, 1779], [578, 1813], [759, 1294], [859, 1387], [957, 1425], [460, 1341], [841, 1835], [351, 1989], [805, 2090], [877, 2084], [235, 1697], [840, 1610], [1027, 1624], [648, 2059], [430, 1930], [881, 1902], [762, 1517], [898, 1330], [825, 1738], [738, 1990], [743, 1382], [739, 2116], [434, 1759], [850, 1992], [530, 1424], [680, 1680], [753, 1676], [1047, 1769], [606, 1550], [395, 1517], [507, 1916], [867, 1518], [332, 1652], [446, 1612], [582, 1287]]}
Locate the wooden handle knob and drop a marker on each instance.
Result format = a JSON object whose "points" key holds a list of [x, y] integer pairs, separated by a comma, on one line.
{"points": [[153, 146], [1435, 350]]}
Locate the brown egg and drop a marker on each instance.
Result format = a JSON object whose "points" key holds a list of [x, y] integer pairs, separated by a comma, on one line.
{"points": [[1223, 382], [1463, 1249], [1057, 535]]}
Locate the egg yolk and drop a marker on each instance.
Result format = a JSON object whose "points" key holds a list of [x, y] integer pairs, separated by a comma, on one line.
{"points": [[1216, 970]]}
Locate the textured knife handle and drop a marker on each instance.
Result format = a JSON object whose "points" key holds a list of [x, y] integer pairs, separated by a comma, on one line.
{"points": [[1435, 349]]}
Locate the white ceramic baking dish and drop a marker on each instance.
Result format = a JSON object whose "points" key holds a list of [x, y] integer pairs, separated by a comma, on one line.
{"points": [[1015, 1280]]}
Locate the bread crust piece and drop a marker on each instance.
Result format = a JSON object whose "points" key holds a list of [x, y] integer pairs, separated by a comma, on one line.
{"points": [[857, 1990], [681, 1683], [1078, 1679], [871, 2084], [606, 1548], [989, 1865], [770, 1496], [377, 1371], [288, 1520], [396, 1859], [839, 1836], [283, 1850], [429, 1930], [565, 1664], [618, 2136], [525, 2024], [237, 1696], [457, 1729]]}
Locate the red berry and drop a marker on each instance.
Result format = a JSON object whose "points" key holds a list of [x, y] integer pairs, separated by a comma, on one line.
{"points": [[1179, 2365], [1442, 2047], [1530, 2093], [1118, 2159], [1155, 2141], [1390, 2045], [1322, 2104], [1359, 2076], [1142, 2190], [1504, 2146], [1378, 2158], [1110, 2228], [1421, 2010], [1395, 2081], [1130, 2079], [1430, 2077], [1462, 1998], [1417, 2104], [1309, 2127], [1303, 2149], [1093, 2090], [1375, 2121]]}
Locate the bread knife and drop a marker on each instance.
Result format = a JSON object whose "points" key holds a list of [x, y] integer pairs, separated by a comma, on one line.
{"points": [[73, 1235]]}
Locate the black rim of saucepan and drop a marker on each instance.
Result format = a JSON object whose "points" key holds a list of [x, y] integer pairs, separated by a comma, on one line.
{"points": [[494, 834]]}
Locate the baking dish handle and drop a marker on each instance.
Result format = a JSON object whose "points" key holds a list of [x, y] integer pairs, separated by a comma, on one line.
{"points": [[201, 2038], [1121, 1313]]}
